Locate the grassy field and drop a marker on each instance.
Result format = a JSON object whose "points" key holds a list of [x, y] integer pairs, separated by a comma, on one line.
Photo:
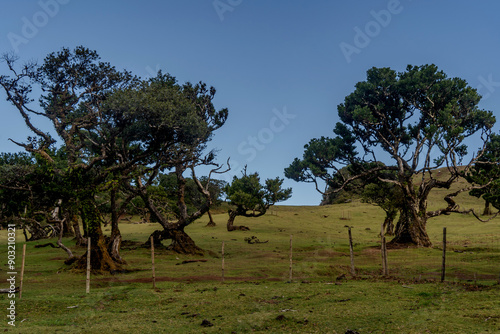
{"points": [[257, 296]]}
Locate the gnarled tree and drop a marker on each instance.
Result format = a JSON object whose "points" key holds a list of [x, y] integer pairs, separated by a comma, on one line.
{"points": [[172, 124], [420, 121], [74, 85]]}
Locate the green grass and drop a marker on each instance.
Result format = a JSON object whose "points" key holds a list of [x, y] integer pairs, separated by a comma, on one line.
{"points": [[180, 307], [256, 295]]}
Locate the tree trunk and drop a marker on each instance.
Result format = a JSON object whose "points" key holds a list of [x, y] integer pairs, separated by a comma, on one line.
{"points": [[157, 238], [101, 259], [115, 240], [410, 229], [67, 229], [84, 227], [146, 218], [487, 209], [389, 222], [114, 244], [80, 240], [211, 222], [181, 241], [71, 257], [230, 222]]}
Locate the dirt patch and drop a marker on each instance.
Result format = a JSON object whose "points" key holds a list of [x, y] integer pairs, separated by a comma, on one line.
{"points": [[372, 251], [391, 245], [329, 253], [462, 276]]}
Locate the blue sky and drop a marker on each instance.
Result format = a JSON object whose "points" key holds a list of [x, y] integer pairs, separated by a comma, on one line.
{"points": [[281, 67]]}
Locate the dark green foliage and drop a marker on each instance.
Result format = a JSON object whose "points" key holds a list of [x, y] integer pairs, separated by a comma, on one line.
{"points": [[29, 184], [159, 114], [321, 156], [16, 159], [248, 194], [486, 173], [15, 171]]}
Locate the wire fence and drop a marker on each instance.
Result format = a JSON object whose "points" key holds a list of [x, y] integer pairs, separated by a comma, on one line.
{"points": [[451, 260]]}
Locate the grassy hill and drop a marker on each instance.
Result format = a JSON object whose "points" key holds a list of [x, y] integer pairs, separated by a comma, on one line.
{"points": [[256, 295]]}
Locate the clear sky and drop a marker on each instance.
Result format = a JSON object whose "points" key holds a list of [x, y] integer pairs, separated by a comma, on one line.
{"points": [[281, 67]]}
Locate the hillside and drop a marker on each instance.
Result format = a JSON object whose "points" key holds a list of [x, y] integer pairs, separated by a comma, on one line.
{"points": [[256, 295]]}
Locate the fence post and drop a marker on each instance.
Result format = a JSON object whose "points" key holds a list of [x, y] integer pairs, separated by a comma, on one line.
{"points": [[351, 251], [443, 267], [223, 262], [88, 265], [383, 250], [22, 272], [291, 259], [153, 262]]}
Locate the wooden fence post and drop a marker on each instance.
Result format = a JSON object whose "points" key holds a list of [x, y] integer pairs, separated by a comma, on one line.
{"points": [[351, 251], [443, 267], [153, 262], [22, 273], [88, 265], [223, 262], [291, 260], [382, 253]]}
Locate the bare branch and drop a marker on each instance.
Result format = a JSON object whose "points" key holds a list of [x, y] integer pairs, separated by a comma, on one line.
{"points": [[362, 175], [453, 207]]}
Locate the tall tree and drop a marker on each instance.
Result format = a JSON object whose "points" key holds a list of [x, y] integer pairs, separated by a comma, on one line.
{"points": [[249, 198], [74, 85], [172, 124], [420, 119]]}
